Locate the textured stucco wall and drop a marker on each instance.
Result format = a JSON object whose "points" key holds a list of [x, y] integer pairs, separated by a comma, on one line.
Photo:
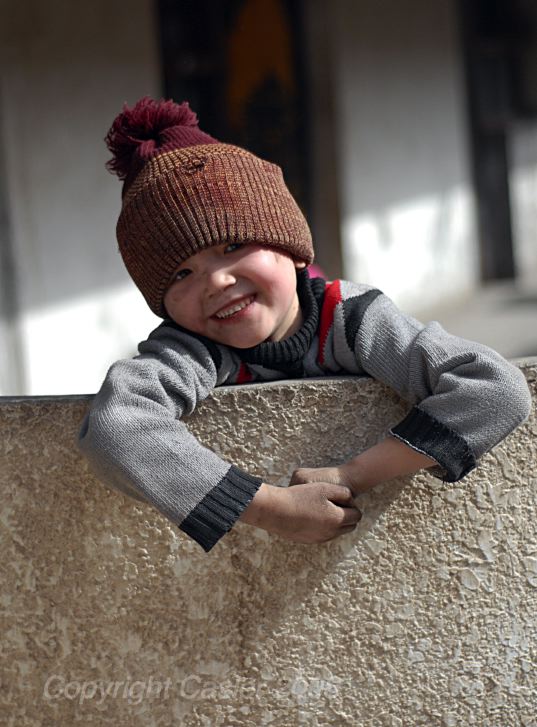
{"points": [[425, 615]]}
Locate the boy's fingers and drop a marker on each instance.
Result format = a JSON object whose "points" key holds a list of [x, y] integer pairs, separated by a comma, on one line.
{"points": [[339, 494], [351, 517], [297, 478]]}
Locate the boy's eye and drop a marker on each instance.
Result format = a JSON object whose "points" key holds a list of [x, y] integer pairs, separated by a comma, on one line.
{"points": [[233, 246], [182, 274]]}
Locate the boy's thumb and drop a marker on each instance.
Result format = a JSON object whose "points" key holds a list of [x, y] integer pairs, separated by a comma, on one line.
{"points": [[339, 494]]}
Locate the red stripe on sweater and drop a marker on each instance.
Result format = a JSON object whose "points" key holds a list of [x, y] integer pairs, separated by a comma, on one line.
{"points": [[244, 375], [332, 296]]}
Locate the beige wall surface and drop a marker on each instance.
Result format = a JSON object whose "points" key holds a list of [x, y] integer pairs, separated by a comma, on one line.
{"points": [[425, 615]]}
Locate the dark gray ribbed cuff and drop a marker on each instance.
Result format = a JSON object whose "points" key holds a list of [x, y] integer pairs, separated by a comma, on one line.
{"points": [[220, 508], [427, 435]]}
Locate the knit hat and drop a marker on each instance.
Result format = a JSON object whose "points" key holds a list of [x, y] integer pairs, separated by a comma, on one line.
{"points": [[184, 191]]}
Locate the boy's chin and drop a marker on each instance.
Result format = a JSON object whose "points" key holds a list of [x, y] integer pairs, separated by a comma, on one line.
{"points": [[244, 343]]}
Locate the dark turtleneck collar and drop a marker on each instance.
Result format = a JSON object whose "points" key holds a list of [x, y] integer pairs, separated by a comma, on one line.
{"points": [[274, 354]]}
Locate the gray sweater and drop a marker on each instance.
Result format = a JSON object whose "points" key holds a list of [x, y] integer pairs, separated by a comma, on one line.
{"points": [[463, 399]]}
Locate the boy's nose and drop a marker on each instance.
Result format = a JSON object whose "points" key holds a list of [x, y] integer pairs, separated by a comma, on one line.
{"points": [[219, 277]]}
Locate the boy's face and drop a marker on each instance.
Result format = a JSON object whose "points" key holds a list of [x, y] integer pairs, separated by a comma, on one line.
{"points": [[238, 295]]}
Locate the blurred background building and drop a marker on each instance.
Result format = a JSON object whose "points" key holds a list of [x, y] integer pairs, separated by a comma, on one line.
{"points": [[407, 130]]}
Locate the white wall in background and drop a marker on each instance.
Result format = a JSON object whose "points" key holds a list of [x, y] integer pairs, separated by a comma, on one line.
{"points": [[408, 222], [65, 73], [523, 187]]}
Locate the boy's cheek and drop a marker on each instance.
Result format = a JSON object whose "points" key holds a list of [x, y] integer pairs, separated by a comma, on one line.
{"points": [[267, 264], [176, 295]]}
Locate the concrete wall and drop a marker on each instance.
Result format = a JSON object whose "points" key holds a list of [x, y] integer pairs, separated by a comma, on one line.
{"points": [[425, 615], [64, 75], [407, 204]]}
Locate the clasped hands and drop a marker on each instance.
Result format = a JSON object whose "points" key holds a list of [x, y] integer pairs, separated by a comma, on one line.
{"points": [[319, 503], [317, 506]]}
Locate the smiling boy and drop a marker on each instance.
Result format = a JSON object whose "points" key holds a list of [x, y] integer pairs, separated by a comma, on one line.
{"points": [[237, 295], [218, 247]]}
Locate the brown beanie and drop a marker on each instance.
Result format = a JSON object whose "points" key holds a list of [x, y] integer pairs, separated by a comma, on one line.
{"points": [[184, 191]]}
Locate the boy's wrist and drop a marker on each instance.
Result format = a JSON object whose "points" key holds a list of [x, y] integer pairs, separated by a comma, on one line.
{"points": [[257, 512], [387, 459], [353, 475]]}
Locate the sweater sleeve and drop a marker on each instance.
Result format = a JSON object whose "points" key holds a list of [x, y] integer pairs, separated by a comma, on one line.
{"points": [[135, 440], [465, 396]]}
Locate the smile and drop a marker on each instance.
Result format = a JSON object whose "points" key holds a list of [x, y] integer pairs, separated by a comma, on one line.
{"points": [[235, 308]]}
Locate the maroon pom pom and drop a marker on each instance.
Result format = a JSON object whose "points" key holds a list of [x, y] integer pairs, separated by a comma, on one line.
{"points": [[138, 131]]}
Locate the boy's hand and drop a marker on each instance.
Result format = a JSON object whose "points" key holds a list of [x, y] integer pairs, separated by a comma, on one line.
{"points": [[314, 512], [335, 475], [387, 459]]}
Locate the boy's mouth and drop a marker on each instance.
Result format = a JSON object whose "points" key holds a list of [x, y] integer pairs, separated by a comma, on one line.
{"points": [[234, 308]]}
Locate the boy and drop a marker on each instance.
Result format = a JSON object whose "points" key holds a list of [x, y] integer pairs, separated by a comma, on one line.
{"points": [[219, 249]]}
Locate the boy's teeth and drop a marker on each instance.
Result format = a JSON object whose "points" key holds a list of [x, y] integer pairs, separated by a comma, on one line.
{"points": [[234, 309]]}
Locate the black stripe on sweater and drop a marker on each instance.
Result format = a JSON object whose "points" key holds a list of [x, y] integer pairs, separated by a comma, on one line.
{"points": [[429, 436], [353, 313], [218, 511]]}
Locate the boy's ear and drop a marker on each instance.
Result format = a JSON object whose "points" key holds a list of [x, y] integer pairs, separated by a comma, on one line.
{"points": [[300, 264]]}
